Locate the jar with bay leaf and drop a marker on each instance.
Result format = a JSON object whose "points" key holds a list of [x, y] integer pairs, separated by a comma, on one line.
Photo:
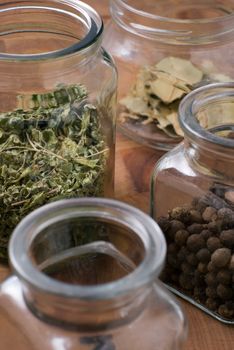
{"points": [[57, 107], [163, 50], [192, 199]]}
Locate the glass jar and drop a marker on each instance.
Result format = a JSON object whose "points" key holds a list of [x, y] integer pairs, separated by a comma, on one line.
{"points": [[85, 276], [163, 50], [192, 198], [57, 107]]}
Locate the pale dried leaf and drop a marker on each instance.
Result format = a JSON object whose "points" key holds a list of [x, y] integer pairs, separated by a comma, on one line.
{"points": [[139, 89], [124, 116], [135, 105], [162, 122], [165, 90], [173, 119], [181, 69]]}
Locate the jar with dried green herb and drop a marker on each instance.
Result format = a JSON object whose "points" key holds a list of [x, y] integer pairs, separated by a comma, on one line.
{"points": [[192, 198], [57, 108], [163, 50]]}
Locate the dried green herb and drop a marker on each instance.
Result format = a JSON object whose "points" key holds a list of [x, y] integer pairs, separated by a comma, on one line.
{"points": [[159, 88], [53, 150]]}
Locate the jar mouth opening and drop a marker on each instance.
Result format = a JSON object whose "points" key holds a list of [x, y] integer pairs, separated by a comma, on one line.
{"points": [[183, 23], [207, 115], [42, 247], [47, 29]]}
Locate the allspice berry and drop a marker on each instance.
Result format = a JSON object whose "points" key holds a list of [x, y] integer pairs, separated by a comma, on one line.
{"points": [[192, 259], [175, 225], [209, 214], [195, 228], [181, 237], [224, 292], [213, 243], [227, 216], [195, 242], [199, 279], [214, 226], [172, 248], [227, 238], [181, 214], [224, 276], [221, 257], [211, 292], [203, 255], [212, 304], [211, 267], [187, 268], [195, 216], [185, 281], [229, 196], [199, 293], [164, 223], [225, 213], [225, 311], [202, 268], [210, 279], [182, 254], [206, 234], [172, 260]]}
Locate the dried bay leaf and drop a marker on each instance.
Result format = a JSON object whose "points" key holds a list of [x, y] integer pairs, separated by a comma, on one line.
{"points": [[173, 119], [181, 69], [139, 89], [158, 90], [135, 105], [167, 88]]}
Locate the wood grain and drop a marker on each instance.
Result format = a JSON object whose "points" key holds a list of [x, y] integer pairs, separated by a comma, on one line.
{"points": [[134, 164]]}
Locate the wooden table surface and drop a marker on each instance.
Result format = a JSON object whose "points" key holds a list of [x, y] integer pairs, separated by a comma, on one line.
{"points": [[134, 164]]}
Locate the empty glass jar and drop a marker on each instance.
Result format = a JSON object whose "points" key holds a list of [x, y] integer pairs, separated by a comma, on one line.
{"points": [[85, 277], [57, 107], [192, 199], [163, 50]]}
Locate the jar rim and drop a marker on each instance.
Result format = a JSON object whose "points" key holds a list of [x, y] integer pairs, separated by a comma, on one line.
{"points": [[91, 17], [197, 99], [172, 30], [168, 19], [28, 229]]}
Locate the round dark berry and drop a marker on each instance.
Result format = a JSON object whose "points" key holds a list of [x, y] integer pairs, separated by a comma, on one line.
{"points": [[221, 257], [195, 242]]}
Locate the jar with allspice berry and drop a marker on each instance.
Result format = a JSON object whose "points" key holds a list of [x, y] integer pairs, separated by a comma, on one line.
{"points": [[192, 199]]}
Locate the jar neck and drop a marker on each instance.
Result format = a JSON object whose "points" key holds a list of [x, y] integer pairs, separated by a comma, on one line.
{"points": [[61, 255], [206, 117], [86, 315], [183, 24], [203, 159]]}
